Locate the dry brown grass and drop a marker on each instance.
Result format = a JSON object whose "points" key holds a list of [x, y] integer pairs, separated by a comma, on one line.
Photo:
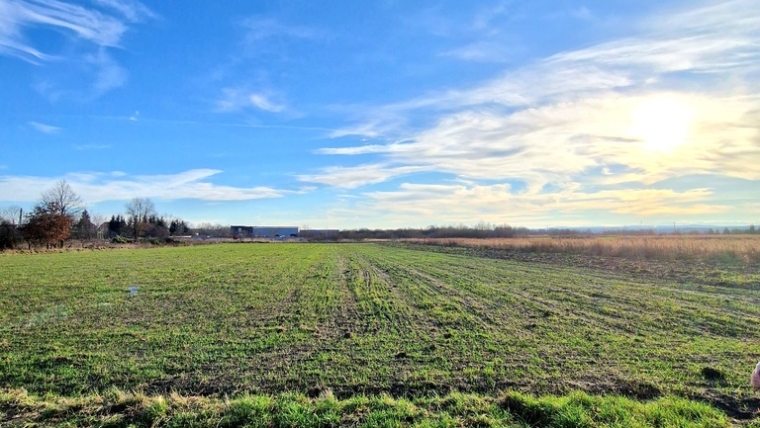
{"points": [[741, 248]]}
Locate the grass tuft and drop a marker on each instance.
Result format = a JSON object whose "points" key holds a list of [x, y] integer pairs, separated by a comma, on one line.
{"points": [[512, 409]]}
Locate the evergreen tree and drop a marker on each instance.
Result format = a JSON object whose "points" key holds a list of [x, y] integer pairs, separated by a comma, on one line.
{"points": [[178, 227], [84, 229]]}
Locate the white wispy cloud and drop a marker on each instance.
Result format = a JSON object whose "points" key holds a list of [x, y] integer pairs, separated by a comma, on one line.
{"points": [[92, 146], [482, 51], [44, 128], [429, 204], [438, 21], [498, 202], [108, 73], [264, 103], [680, 97], [352, 177], [244, 80], [258, 36], [132, 10], [358, 150], [482, 37], [96, 187], [235, 99], [372, 129], [260, 28], [101, 28], [583, 13]]}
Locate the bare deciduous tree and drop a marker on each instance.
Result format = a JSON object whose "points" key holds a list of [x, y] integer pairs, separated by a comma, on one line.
{"points": [[11, 215], [138, 210], [62, 200], [52, 218]]}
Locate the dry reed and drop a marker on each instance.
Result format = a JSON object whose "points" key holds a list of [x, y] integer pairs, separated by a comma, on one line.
{"points": [[727, 248]]}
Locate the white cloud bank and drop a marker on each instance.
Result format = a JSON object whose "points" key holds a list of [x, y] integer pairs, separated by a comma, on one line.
{"points": [[680, 98], [422, 205], [116, 186]]}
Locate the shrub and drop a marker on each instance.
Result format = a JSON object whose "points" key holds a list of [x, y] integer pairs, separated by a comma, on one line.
{"points": [[120, 240], [9, 236]]}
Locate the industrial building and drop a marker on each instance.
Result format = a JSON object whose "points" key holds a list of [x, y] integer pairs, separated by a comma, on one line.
{"points": [[266, 232]]}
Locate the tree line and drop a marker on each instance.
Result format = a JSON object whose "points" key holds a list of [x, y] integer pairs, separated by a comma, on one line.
{"points": [[60, 215], [487, 230], [480, 230]]}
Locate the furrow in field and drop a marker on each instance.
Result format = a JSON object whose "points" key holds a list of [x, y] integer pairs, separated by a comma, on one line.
{"points": [[587, 299], [501, 333], [641, 305], [626, 305], [435, 305], [578, 313], [738, 306], [501, 305], [345, 319], [378, 307]]}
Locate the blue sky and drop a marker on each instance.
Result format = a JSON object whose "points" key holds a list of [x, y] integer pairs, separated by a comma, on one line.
{"points": [[387, 114]]}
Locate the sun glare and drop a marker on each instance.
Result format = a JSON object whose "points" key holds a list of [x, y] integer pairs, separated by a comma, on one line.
{"points": [[662, 124]]}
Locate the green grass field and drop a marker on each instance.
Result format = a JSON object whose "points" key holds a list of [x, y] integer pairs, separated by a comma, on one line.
{"points": [[336, 322]]}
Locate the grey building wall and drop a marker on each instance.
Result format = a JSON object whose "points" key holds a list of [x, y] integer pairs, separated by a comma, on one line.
{"points": [[264, 231]]}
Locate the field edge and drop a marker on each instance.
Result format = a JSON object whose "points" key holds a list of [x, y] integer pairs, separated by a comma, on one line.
{"points": [[116, 408]]}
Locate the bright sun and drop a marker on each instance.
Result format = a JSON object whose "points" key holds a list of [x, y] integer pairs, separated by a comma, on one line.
{"points": [[661, 123]]}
